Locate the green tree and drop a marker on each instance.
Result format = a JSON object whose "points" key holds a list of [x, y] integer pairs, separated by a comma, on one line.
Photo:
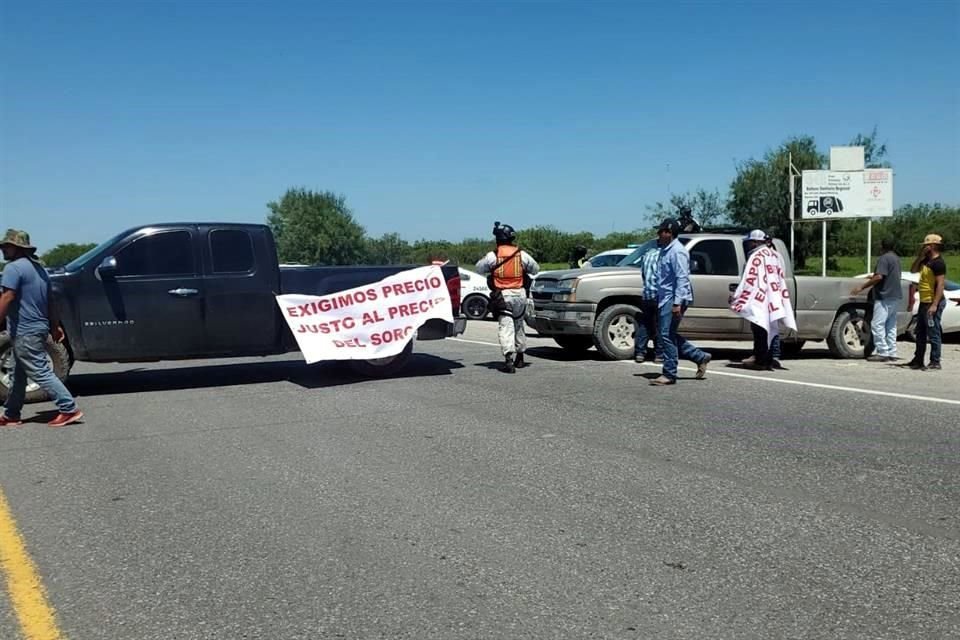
{"points": [[708, 207], [427, 251], [64, 253], [468, 251], [389, 248], [545, 243], [620, 239], [760, 192], [910, 223], [316, 228], [874, 152]]}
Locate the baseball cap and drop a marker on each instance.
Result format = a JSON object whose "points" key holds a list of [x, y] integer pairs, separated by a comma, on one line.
{"points": [[757, 234], [671, 225], [933, 238]]}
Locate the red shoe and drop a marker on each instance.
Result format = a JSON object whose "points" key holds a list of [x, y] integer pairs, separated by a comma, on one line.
{"points": [[9, 422], [64, 419]]}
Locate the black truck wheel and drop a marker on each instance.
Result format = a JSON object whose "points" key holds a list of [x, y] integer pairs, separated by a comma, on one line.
{"points": [[383, 367], [59, 360], [475, 306], [614, 331], [850, 336]]}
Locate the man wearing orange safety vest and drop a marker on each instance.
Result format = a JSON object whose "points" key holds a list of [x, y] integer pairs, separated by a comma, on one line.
{"points": [[508, 268]]}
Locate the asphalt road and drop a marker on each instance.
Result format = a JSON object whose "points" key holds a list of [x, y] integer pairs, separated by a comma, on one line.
{"points": [[268, 499]]}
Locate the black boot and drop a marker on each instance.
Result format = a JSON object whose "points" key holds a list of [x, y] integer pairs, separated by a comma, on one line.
{"points": [[518, 361], [508, 366]]}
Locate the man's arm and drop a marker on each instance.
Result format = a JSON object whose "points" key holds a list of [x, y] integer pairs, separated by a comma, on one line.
{"points": [[485, 265], [53, 315], [871, 281], [530, 266], [937, 294], [681, 264], [9, 285], [918, 261], [6, 299]]}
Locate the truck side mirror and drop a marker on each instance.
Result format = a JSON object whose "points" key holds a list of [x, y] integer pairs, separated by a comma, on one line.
{"points": [[107, 268]]}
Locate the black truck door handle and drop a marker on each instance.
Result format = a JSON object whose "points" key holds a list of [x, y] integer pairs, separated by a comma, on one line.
{"points": [[733, 287], [183, 293]]}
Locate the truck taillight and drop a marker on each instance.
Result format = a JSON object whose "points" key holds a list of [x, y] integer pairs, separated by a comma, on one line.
{"points": [[453, 287]]}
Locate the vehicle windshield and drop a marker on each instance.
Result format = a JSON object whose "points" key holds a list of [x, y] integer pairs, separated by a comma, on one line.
{"points": [[633, 260], [609, 260], [78, 263], [950, 285]]}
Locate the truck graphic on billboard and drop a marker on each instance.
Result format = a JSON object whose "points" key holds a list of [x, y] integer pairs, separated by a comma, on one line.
{"points": [[826, 205]]}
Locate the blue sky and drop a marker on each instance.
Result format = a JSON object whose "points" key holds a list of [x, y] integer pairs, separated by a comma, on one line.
{"points": [[434, 119]]}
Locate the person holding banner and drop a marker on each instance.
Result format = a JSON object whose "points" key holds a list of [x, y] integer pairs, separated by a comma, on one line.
{"points": [[763, 299], [508, 269], [674, 295], [775, 343]]}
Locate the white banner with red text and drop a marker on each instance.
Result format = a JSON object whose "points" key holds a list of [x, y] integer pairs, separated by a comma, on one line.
{"points": [[373, 321], [763, 297]]}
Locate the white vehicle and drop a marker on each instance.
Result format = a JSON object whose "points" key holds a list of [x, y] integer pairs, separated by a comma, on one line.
{"points": [[951, 291], [475, 294]]}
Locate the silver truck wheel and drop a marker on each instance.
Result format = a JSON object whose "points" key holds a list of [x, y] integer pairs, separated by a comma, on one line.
{"points": [[574, 343], [614, 330], [59, 359], [383, 367], [850, 336], [475, 306]]}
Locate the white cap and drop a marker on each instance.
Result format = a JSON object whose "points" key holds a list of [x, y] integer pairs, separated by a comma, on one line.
{"points": [[756, 234]]}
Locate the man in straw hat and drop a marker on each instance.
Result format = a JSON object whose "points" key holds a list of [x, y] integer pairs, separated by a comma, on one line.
{"points": [[26, 304], [933, 274]]}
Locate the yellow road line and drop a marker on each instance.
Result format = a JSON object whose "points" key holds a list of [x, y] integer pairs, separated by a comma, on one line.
{"points": [[27, 595]]}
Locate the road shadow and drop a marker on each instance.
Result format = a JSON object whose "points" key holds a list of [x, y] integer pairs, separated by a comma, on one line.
{"points": [[648, 375], [653, 375], [742, 367], [738, 355], [317, 376], [557, 354], [498, 364]]}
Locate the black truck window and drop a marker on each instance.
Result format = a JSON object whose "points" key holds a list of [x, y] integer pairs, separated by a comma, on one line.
{"points": [[167, 253], [231, 251], [714, 258]]}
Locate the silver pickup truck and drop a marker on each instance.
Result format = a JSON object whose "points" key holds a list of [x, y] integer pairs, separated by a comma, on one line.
{"points": [[582, 308]]}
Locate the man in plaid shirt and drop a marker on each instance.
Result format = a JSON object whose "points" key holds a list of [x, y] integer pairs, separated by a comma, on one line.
{"points": [[646, 319]]}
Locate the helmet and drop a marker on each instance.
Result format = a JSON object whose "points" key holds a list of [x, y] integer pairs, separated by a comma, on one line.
{"points": [[671, 225], [504, 234]]}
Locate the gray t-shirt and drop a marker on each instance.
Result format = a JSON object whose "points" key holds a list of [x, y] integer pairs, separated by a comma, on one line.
{"points": [[28, 313], [889, 288]]}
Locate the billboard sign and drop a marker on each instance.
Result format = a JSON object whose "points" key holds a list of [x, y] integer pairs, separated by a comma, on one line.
{"points": [[828, 195]]}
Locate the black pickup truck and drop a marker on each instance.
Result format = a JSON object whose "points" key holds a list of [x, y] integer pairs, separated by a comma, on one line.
{"points": [[191, 290]]}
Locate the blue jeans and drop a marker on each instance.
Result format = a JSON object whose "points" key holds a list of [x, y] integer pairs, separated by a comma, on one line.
{"points": [[672, 343], [30, 361], [934, 333], [646, 328], [883, 326]]}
